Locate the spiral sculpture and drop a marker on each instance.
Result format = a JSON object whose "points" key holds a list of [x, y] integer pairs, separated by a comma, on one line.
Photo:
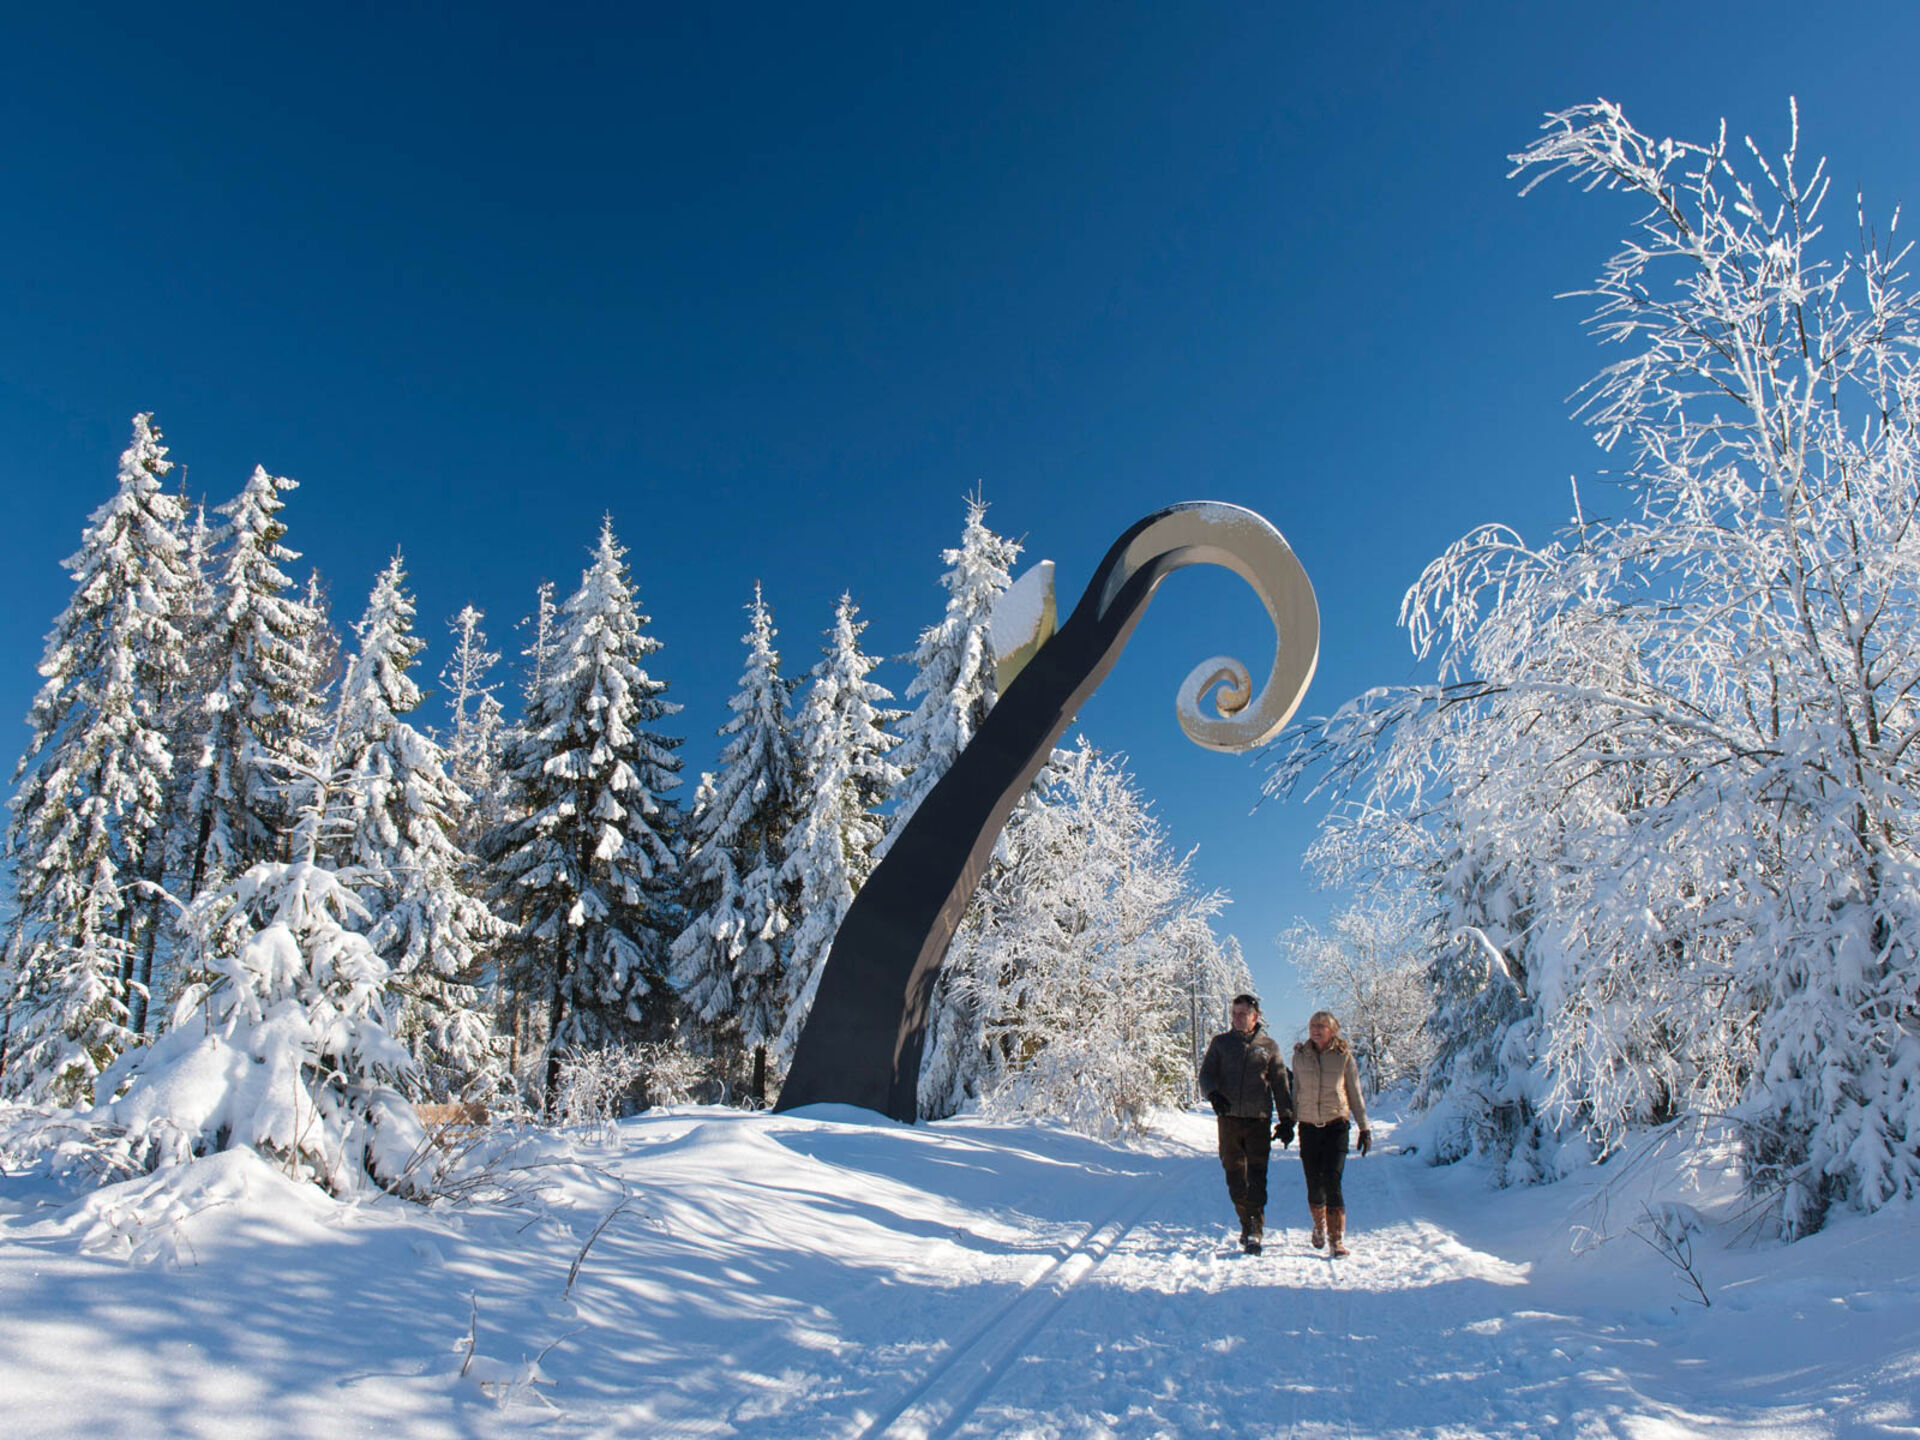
{"points": [[862, 1041]]}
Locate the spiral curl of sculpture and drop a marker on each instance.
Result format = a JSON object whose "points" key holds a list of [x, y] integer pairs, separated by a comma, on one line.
{"points": [[1213, 533], [862, 1041]]}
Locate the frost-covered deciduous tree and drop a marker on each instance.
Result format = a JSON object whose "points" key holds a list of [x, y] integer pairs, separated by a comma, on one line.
{"points": [[1080, 966], [1212, 971], [586, 862], [1370, 969], [953, 664], [956, 1061], [1045, 865], [392, 824], [845, 769], [91, 792], [259, 716], [1671, 759], [727, 962]]}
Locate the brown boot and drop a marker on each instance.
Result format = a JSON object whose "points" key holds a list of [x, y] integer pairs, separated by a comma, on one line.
{"points": [[1336, 1232], [1319, 1225]]}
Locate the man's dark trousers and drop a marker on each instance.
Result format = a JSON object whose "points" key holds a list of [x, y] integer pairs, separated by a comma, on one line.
{"points": [[1244, 1146]]}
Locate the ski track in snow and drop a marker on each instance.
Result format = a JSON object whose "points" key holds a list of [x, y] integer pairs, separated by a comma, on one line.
{"points": [[793, 1277]]}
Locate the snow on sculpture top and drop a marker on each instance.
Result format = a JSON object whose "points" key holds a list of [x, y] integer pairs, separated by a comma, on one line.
{"points": [[1024, 618]]}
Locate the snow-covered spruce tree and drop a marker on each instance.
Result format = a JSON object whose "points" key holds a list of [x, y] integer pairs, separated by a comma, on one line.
{"points": [[1370, 969], [259, 717], [953, 664], [477, 734], [1083, 964], [955, 686], [90, 799], [199, 617], [1719, 902], [199, 610], [520, 1012], [586, 863], [322, 658], [280, 1043], [845, 772], [393, 814], [542, 643], [727, 962]]}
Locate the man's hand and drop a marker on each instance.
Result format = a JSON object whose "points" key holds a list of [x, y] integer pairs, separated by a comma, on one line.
{"points": [[1219, 1102], [1366, 1140], [1283, 1132]]}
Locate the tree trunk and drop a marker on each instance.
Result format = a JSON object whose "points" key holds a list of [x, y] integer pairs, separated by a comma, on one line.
{"points": [[139, 996], [556, 1012]]}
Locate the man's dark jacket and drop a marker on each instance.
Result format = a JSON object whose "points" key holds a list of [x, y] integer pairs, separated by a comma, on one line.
{"points": [[1248, 1070]]}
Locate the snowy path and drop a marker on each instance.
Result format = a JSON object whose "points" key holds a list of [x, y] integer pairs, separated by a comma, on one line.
{"points": [[800, 1277]]}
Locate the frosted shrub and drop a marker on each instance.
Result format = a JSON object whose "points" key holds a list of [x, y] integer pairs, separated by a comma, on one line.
{"points": [[597, 1086]]}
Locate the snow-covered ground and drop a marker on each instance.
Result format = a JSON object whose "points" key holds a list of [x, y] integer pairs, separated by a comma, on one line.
{"points": [[705, 1272]]}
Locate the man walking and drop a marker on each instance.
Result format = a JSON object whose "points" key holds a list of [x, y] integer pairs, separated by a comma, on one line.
{"points": [[1245, 1080]]}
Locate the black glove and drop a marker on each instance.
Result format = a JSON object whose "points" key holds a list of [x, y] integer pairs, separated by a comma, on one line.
{"points": [[1283, 1132], [1219, 1102], [1365, 1143]]}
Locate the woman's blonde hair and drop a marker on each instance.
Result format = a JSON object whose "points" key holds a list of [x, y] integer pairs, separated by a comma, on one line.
{"points": [[1337, 1041]]}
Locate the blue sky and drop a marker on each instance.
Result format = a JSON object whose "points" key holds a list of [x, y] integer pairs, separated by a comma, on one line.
{"points": [[776, 287]]}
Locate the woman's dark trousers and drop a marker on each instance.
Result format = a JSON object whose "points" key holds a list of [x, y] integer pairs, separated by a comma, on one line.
{"points": [[1323, 1156]]}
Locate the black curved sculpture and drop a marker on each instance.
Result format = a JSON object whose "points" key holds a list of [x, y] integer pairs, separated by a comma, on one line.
{"points": [[862, 1041]]}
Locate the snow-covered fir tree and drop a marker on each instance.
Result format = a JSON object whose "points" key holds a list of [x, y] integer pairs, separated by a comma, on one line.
{"points": [[844, 745], [280, 1042], [727, 962], [259, 717], [587, 860], [953, 664], [90, 802], [393, 816]]}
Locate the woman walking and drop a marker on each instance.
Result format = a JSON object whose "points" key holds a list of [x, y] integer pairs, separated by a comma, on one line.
{"points": [[1326, 1098]]}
